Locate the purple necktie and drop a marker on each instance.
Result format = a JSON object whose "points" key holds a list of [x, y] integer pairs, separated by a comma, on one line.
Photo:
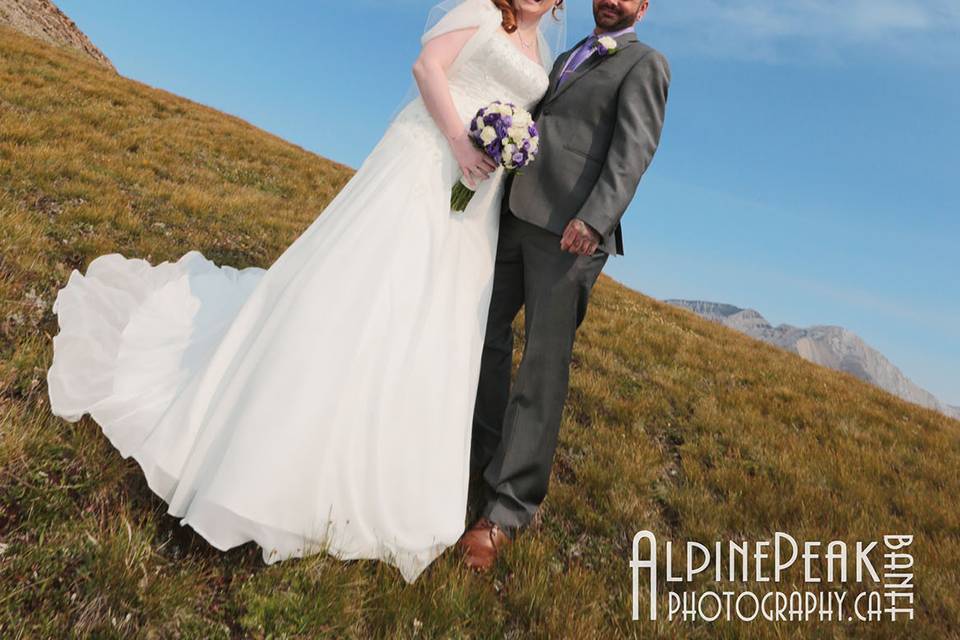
{"points": [[578, 57]]}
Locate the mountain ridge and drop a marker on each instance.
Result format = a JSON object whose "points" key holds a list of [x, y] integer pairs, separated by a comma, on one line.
{"points": [[828, 345], [42, 19]]}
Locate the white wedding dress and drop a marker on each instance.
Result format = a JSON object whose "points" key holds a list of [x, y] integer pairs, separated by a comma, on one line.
{"points": [[324, 403]]}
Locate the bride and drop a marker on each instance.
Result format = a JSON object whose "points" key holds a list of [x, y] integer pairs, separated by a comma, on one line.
{"points": [[324, 403]]}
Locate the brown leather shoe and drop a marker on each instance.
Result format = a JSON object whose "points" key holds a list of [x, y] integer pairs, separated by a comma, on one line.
{"points": [[481, 543]]}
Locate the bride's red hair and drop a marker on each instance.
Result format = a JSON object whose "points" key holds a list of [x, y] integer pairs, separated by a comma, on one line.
{"points": [[510, 13]]}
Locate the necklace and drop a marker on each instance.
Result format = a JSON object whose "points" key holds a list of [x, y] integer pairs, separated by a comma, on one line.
{"points": [[523, 43]]}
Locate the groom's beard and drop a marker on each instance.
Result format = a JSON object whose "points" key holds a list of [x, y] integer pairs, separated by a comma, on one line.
{"points": [[607, 18]]}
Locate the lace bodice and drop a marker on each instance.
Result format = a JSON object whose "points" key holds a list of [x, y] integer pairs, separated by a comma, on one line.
{"points": [[490, 67], [498, 71]]}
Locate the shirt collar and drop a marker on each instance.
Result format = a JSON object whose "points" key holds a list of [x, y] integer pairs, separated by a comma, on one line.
{"points": [[612, 34]]}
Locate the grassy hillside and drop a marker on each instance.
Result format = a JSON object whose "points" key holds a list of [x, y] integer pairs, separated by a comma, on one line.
{"points": [[674, 424]]}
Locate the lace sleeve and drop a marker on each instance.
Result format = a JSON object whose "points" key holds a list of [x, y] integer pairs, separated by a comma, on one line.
{"points": [[452, 15]]}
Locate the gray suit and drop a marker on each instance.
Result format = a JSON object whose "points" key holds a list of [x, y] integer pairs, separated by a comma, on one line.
{"points": [[599, 131]]}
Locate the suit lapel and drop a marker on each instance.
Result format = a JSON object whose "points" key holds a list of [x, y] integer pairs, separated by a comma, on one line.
{"points": [[593, 61], [562, 62]]}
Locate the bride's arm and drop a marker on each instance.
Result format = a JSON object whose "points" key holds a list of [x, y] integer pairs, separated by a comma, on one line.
{"points": [[430, 71]]}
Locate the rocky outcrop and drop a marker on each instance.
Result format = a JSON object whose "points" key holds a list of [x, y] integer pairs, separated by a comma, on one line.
{"points": [[42, 19], [830, 346]]}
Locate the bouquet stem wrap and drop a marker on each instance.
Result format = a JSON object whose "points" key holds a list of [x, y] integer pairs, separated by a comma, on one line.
{"points": [[460, 196]]}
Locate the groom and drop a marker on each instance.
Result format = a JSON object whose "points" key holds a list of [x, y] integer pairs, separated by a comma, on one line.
{"points": [[600, 123]]}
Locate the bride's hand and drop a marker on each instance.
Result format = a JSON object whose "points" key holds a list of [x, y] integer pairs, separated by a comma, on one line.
{"points": [[475, 165], [430, 71]]}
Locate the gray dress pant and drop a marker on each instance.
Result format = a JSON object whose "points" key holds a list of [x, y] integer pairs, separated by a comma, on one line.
{"points": [[515, 430]]}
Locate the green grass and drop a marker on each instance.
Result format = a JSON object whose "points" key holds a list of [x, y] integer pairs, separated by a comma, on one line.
{"points": [[673, 424]]}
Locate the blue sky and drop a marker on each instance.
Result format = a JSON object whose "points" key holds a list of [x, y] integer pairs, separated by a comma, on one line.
{"points": [[808, 166]]}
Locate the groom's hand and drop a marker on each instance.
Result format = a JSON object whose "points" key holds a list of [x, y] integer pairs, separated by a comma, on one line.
{"points": [[579, 238]]}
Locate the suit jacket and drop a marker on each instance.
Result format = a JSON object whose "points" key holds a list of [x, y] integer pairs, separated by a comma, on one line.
{"points": [[598, 134]]}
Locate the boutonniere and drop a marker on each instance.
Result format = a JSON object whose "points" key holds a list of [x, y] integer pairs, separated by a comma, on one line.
{"points": [[606, 46]]}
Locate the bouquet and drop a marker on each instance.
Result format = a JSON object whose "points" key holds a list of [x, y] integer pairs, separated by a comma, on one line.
{"points": [[508, 135]]}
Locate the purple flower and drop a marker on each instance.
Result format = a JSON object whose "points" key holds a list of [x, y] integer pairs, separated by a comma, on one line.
{"points": [[606, 46], [521, 148]]}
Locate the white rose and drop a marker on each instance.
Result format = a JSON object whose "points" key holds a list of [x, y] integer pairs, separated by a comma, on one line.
{"points": [[488, 135], [607, 43]]}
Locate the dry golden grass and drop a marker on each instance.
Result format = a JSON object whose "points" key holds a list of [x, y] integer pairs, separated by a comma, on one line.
{"points": [[673, 424]]}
